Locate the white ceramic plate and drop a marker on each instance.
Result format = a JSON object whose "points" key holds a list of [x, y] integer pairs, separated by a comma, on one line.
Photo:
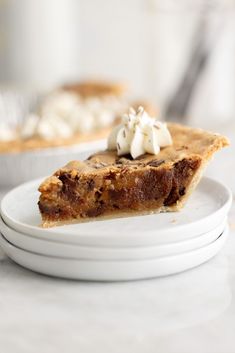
{"points": [[205, 210], [75, 251], [112, 270], [19, 167]]}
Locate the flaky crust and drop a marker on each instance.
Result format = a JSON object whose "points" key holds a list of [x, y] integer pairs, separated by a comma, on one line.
{"points": [[187, 142], [96, 88], [36, 143]]}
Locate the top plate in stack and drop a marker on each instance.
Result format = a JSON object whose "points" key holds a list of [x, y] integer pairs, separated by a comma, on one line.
{"points": [[206, 209]]}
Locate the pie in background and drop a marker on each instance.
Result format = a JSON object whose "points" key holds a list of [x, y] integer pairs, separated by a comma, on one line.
{"points": [[72, 114]]}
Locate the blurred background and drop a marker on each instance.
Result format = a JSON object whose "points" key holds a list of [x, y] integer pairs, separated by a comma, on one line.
{"points": [[180, 55]]}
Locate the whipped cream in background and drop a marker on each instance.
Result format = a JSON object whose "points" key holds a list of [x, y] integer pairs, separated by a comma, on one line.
{"points": [[6, 133], [63, 114], [139, 134]]}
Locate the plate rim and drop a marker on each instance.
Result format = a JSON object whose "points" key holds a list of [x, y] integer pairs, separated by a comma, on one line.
{"points": [[115, 271], [119, 253], [223, 235]]}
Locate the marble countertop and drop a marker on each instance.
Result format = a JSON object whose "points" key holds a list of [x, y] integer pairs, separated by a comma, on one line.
{"points": [[190, 312]]}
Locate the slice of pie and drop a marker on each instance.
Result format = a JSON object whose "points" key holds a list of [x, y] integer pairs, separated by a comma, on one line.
{"points": [[110, 185]]}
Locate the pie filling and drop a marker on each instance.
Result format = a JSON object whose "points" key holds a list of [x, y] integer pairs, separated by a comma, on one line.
{"points": [[119, 189]]}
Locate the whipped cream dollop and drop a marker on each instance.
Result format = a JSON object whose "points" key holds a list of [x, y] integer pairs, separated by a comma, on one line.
{"points": [[63, 114], [139, 134], [6, 133]]}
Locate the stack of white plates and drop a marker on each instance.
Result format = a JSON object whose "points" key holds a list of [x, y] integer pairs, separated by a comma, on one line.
{"points": [[118, 249]]}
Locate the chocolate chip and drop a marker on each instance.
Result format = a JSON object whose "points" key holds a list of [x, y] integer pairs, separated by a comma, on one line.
{"points": [[155, 162], [98, 194], [118, 195], [142, 156], [94, 212], [69, 188], [182, 148], [125, 161], [181, 175], [124, 170], [110, 176], [90, 184], [120, 160], [100, 165]]}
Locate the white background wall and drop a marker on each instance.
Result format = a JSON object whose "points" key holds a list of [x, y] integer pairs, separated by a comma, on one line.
{"points": [[143, 42]]}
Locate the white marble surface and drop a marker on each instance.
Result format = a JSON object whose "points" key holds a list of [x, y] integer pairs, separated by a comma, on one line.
{"points": [[190, 312]]}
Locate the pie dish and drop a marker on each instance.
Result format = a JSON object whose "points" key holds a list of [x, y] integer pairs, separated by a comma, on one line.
{"points": [[109, 185], [65, 114]]}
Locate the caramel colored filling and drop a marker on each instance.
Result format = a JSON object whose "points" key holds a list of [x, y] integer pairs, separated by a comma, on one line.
{"points": [[121, 189]]}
